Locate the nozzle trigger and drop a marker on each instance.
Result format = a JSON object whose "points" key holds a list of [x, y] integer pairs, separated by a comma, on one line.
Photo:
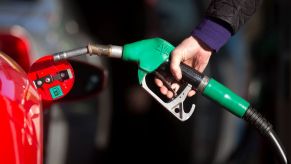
{"points": [[176, 105]]}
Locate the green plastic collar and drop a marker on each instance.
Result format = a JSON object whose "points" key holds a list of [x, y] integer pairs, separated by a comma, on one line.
{"points": [[226, 98], [149, 54]]}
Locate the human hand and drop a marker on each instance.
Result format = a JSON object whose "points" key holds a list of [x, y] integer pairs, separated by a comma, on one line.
{"points": [[190, 52]]}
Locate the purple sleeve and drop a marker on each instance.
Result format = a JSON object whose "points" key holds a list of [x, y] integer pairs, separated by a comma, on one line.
{"points": [[212, 34]]}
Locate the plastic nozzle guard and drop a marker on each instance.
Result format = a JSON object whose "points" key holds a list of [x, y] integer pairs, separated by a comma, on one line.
{"points": [[149, 54]]}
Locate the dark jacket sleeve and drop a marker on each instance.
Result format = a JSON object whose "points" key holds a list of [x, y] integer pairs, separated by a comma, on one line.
{"points": [[234, 13]]}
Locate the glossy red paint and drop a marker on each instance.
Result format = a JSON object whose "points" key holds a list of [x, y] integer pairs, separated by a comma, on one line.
{"points": [[14, 42], [20, 116]]}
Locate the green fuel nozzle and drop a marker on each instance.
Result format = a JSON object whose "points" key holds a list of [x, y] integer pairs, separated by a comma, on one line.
{"points": [[149, 54], [152, 53]]}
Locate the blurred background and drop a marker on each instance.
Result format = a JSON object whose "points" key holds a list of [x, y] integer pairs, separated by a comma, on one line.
{"points": [[123, 123]]}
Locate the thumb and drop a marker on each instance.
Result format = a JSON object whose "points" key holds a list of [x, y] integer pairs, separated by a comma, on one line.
{"points": [[176, 59]]}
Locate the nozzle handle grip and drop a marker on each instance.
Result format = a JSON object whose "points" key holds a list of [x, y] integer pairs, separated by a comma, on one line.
{"points": [[191, 75]]}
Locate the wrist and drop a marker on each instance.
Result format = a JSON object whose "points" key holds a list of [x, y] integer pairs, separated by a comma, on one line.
{"points": [[197, 41]]}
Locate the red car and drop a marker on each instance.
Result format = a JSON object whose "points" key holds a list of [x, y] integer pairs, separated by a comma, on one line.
{"points": [[21, 107]]}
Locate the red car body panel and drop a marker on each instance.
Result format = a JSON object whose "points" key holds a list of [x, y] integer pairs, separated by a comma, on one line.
{"points": [[20, 116]]}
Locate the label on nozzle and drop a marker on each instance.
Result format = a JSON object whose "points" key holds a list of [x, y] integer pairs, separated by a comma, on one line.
{"points": [[56, 92]]}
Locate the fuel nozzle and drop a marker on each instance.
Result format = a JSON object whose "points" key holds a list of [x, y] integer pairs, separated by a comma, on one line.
{"points": [[92, 49]]}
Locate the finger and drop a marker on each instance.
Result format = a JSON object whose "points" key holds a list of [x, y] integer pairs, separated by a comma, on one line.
{"points": [[158, 82], [175, 86], [202, 67], [170, 94], [176, 59], [164, 90], [191, 93], [189, 62], [201, 63]]}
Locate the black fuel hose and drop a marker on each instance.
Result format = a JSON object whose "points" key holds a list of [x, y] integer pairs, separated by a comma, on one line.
{"points": [[265, 128]]}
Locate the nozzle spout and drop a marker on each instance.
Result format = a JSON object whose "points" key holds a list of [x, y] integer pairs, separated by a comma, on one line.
{"points": [[92, 49], [71, 53]]}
